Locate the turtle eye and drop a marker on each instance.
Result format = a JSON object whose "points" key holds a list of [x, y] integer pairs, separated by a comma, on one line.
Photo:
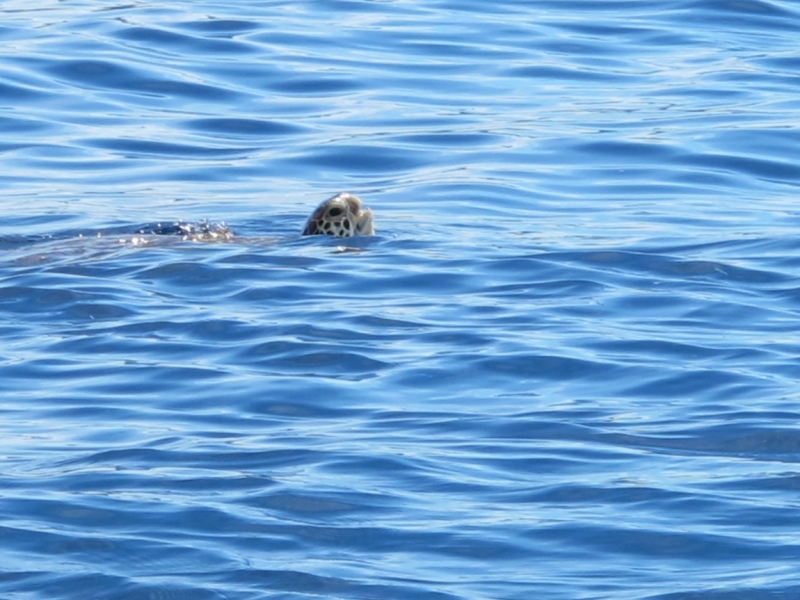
{"points": [[335, 211]]}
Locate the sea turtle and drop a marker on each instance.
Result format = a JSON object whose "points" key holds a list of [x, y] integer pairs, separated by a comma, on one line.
{"points": [[340, 216]]}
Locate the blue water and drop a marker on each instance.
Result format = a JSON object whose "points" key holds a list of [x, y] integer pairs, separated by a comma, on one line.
{"points": [[566, 367]]}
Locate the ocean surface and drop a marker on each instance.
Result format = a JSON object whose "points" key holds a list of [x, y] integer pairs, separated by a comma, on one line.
{"points": [[566, 367]]}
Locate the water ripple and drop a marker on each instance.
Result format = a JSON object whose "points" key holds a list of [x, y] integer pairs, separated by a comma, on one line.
{"points": [[564, 368]]}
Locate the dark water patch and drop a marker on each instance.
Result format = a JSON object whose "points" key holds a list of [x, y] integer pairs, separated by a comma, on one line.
{"points": [[711, 384], [747, 13], [94, 73], [363, 157], [242, 128], [519, 371], [619, 151], [220, 26], [556, 73], [554, 290], [9, 148], [43, 299], [543, 366], [750, 592], [760, 142], [307, 507], [111, 75], [21, 126], [154, 38], [314, 360], [760, 441], [231, 461], [183, 275], [662, 544], [303, 584], [289, 408], [454, 140], [133, 148], [667, 266], [770, 170], [657, 350], [443, 52], [788, 64], [15, 93], [313, 86]]}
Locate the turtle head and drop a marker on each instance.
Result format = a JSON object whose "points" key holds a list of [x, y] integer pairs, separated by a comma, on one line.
{"points": [[340, 216]]}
